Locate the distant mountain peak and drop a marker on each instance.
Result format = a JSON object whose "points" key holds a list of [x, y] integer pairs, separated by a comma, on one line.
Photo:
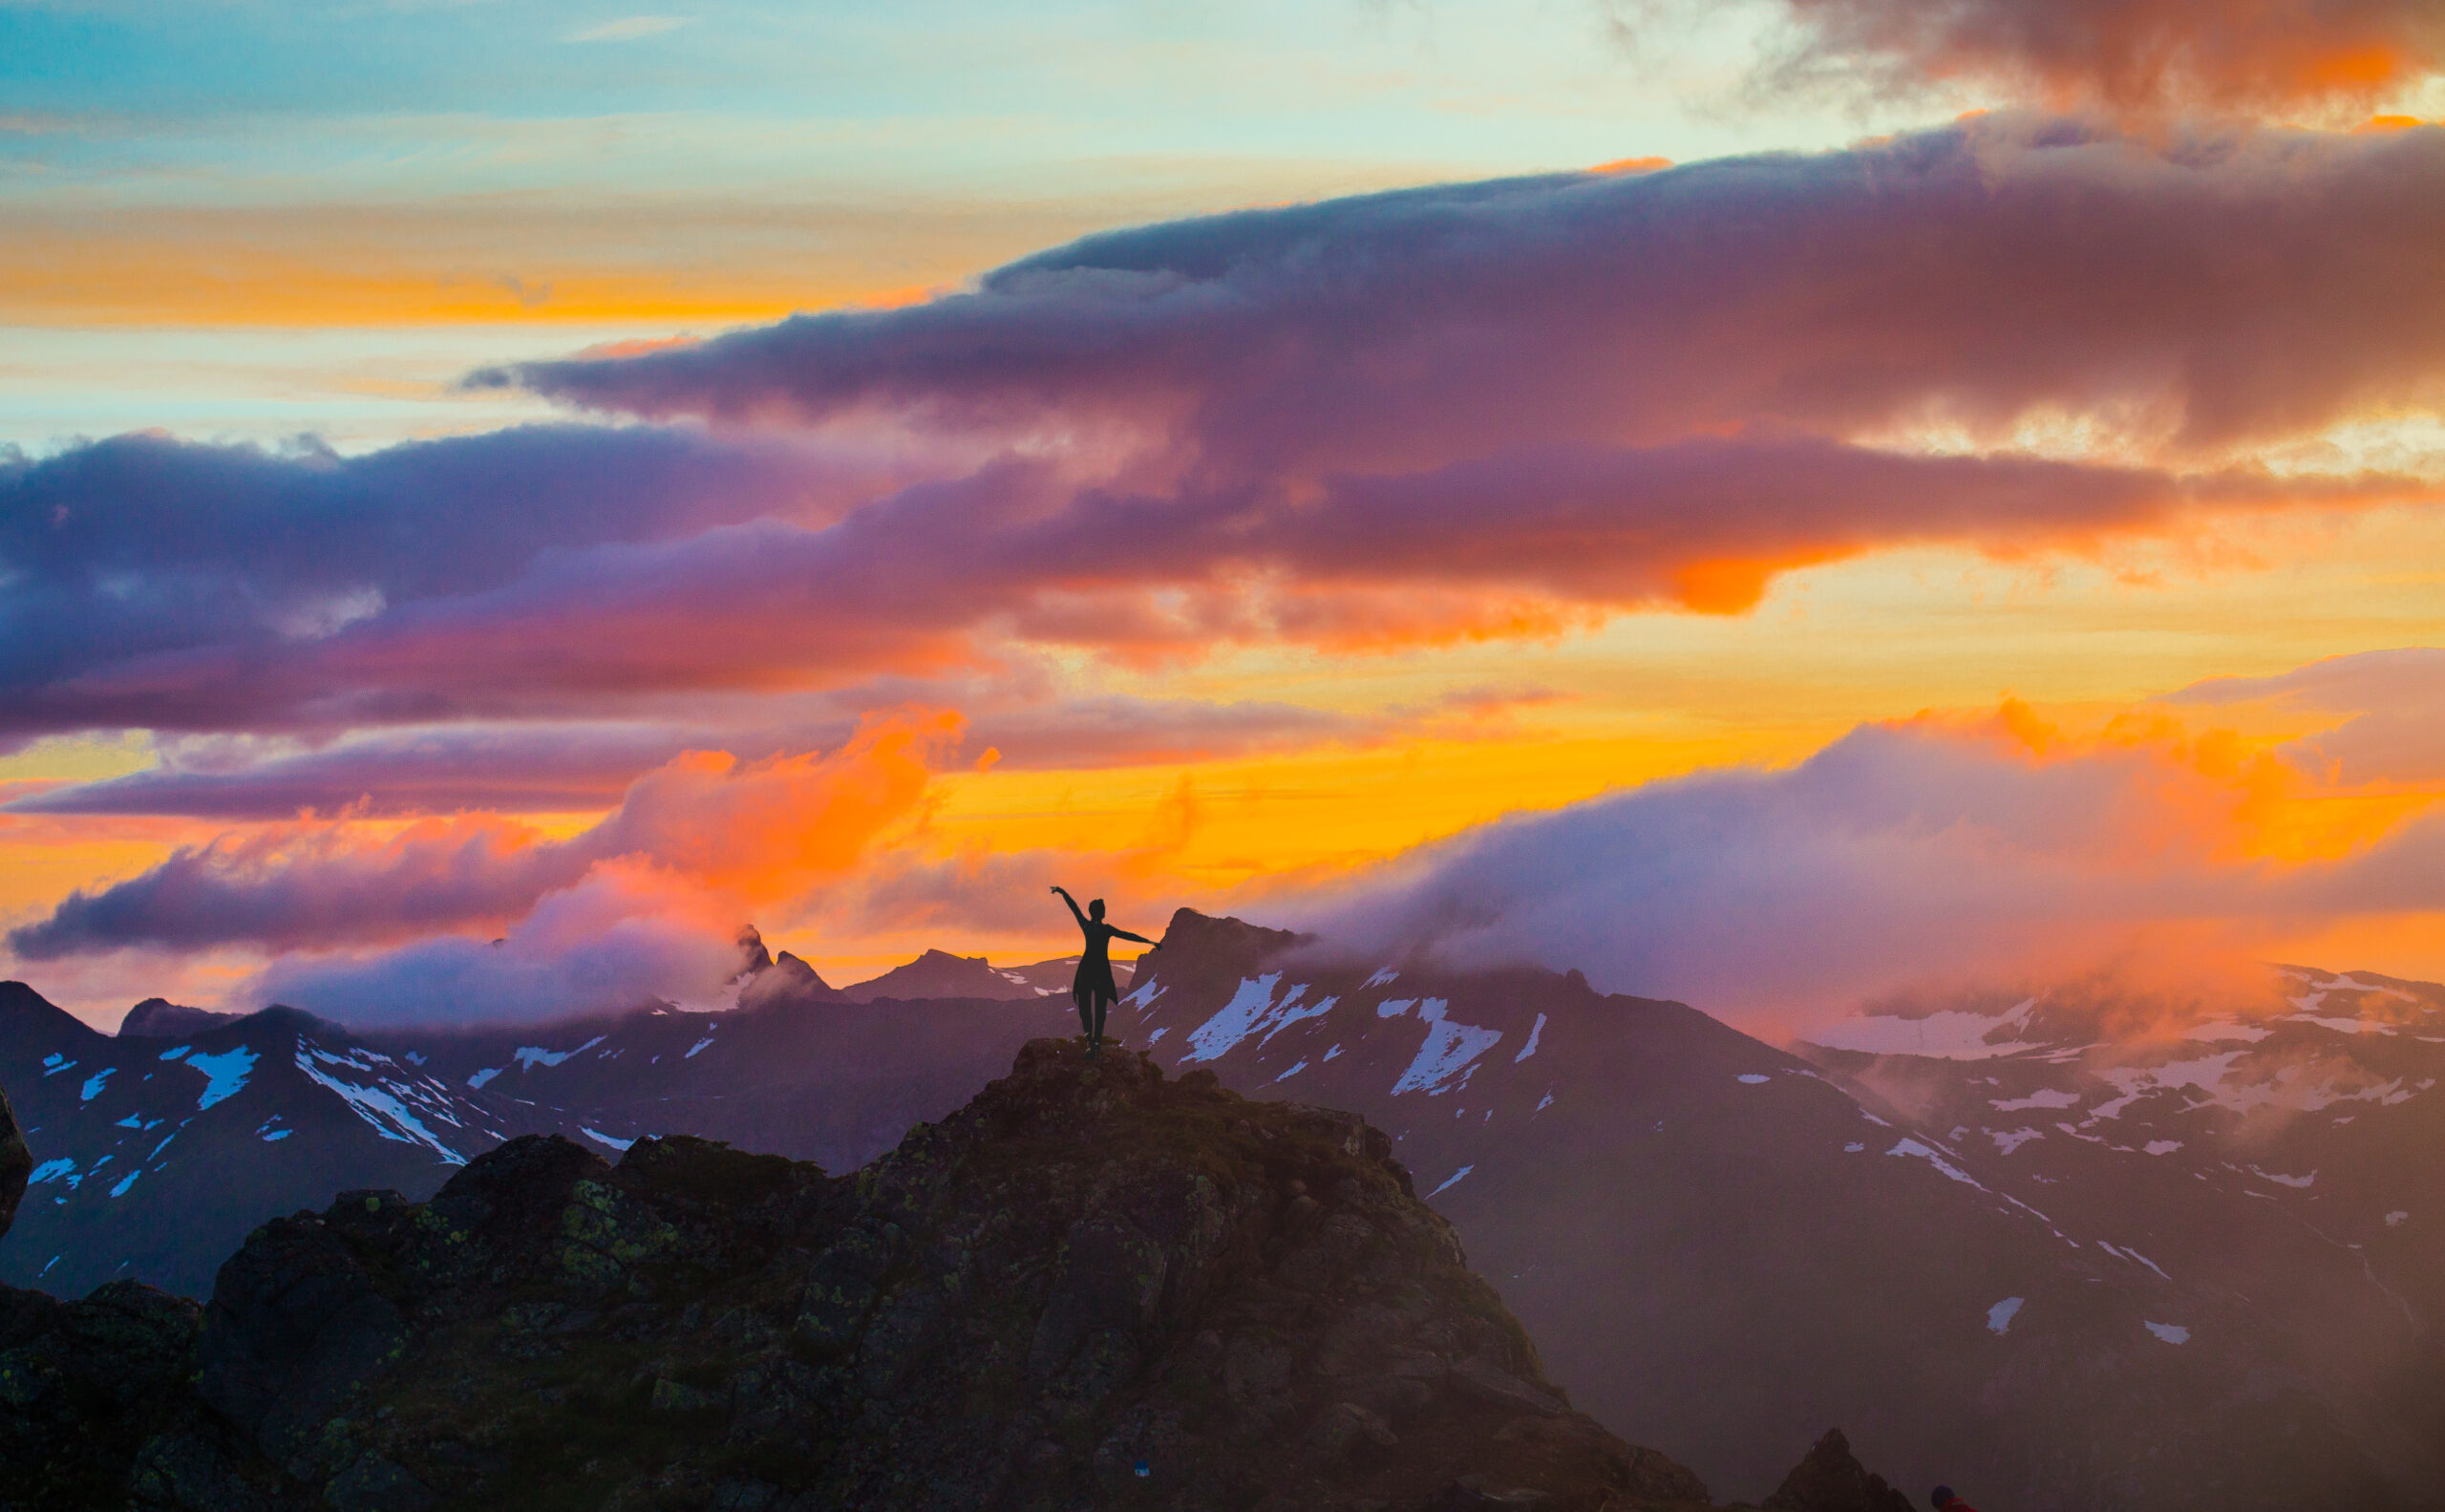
{"points": [[159, 1018], [941, 975]]}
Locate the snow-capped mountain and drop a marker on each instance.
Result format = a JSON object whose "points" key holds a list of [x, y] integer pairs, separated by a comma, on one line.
{"points": [[1675, 1208], [2280, 1146], [154, 1157], [815, 1080], [2041, 1249]]}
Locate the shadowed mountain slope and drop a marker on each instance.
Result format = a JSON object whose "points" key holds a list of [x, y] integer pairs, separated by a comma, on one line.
{"points": [[1092, 1286], [1724, 1250]]}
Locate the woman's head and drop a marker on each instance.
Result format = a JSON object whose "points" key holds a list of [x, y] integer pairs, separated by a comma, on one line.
{"points": [[1095, 909]]}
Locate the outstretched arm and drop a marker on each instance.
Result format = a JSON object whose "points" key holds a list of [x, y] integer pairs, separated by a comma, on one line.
{"points": [[1126, 935], [1073, 905]]}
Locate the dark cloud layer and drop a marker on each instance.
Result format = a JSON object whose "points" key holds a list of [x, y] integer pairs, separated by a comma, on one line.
{"points": [[2145, 54], [2237, 285], [1477, 410]]}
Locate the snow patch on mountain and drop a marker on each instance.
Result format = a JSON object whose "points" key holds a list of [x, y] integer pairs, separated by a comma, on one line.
{"points": [[1450, 1050], [379, 1105], [1238, 1019], [1919, 1151], [2170, 1332], [1535, 1032], [1291, 1012], [1999, 1317], [530, 1057], [2043, 1098], [2224, 1030], [224, 1074], [1952, 1035]]}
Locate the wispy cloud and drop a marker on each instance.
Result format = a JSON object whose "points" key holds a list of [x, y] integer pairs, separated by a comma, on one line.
{"points": [[630, 28]]}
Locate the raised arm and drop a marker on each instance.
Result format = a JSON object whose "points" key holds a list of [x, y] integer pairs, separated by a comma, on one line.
{"points": [[1074, 906]]}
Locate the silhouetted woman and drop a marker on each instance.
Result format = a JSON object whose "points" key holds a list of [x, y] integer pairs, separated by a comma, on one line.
{"points": [[1092, 988]]}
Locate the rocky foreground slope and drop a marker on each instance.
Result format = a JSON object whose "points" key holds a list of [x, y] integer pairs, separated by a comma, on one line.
{"points": [[1091, 1286]]}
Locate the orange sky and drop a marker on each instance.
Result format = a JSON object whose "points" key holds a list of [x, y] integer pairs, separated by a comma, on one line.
{"points": [[1224, 563]]}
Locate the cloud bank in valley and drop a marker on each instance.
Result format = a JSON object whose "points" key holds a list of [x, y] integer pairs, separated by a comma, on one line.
{"points": [[1924, 853]]}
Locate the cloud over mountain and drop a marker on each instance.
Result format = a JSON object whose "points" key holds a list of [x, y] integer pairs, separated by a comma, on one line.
{"points": [[701, 824], [1920, 852]]}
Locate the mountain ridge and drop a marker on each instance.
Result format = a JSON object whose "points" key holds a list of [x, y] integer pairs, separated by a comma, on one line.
{"points": [[1090, 1284]]}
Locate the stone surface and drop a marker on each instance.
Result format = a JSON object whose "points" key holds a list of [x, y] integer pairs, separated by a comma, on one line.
{"points": [[1832, 1479], [1091, 1286], [16, 1163]]}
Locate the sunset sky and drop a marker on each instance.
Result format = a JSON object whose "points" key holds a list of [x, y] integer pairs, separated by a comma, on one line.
{"points": [[1775, 504]]}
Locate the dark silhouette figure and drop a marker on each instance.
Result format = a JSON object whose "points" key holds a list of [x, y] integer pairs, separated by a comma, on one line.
{"points": [[1092, 988]]}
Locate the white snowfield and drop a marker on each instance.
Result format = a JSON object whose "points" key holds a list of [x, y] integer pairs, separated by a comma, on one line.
{"points": [[383, 1098], [1451, 1051], [1953, 1035], [530, 1057], [224, 1074]]}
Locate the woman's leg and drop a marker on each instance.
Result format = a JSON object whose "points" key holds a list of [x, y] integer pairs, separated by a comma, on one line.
{"points": [[1095, 1035], [1086, 1013]]}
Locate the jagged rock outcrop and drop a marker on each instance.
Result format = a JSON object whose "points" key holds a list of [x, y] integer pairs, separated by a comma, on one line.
{"points": [[765, 979], [16, 1163], [1091, 1286], [1832, 1479]]}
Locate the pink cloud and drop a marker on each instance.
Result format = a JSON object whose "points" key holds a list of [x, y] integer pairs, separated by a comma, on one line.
{"points": [[737, 832], [1904, 855], [2136, 54]]}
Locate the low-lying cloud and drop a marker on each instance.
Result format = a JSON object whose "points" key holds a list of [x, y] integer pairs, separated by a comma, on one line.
{"points": [[742, 833], [1903, 855]]}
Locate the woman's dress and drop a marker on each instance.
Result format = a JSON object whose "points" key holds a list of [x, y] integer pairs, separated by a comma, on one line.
{"points": [[1094, 981]]}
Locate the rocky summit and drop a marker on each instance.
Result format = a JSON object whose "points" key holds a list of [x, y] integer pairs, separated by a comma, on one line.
{"points": [[16, 1163], [1092, 1287]]}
